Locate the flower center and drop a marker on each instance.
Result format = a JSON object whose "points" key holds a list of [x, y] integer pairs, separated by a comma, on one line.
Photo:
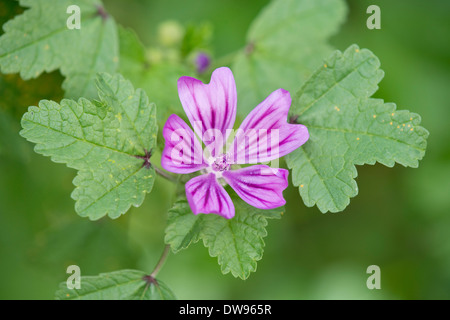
{"points": [[220, 163]]}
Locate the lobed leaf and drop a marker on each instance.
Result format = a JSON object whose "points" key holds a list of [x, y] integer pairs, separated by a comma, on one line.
{"points": [[101, 139], [285, 43], [237, 243], [117, 285], [348, 128], [39, 41]]}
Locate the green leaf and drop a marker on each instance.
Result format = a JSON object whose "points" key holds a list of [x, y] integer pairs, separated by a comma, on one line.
{"points": [[117, 285], [39, 40], [348, 128], [196, 37], [132, 53], [238, 242], [101, 139], [285, 43], [159, 80], [183, 227]]}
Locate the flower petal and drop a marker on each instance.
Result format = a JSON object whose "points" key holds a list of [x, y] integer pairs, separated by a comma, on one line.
{"points": [[206, 195], [265, 134], [182, 151], [210, 106], [260, 186]]}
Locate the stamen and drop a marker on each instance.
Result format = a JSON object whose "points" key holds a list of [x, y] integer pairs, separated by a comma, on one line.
{"points": [[221, 164]]}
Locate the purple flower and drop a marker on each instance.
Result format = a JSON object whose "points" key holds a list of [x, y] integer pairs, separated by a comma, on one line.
{"points": [[202, 62], [264, 135]]}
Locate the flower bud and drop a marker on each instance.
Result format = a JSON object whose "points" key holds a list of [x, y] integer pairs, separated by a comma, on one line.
{"points": [[170, 33], [202, 62]]}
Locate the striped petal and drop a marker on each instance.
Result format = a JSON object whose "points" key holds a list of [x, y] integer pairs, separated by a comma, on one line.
{"points": [[265, 134], [182, 150], [260, 186], [206, 195], [211, 108]]}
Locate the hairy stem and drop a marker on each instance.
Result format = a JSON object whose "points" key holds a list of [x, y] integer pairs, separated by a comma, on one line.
{"points": [[161, 261], [164, 174]]}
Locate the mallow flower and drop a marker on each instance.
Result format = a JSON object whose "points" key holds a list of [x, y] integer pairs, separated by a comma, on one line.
{"points": [[263, 136]]}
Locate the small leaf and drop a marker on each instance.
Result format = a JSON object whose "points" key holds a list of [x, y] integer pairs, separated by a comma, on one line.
{"points": [[183, 227], [285, 43], [101, 140], [348, 128], [39, 40], [117, 285], [238, 242], [196, 37]]}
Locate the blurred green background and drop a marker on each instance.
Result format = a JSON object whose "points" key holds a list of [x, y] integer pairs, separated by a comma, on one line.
{"points": [[400, 219]]}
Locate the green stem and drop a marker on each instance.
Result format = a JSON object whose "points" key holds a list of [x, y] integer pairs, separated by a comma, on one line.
{"points": [[161, 261], [165, 175]]}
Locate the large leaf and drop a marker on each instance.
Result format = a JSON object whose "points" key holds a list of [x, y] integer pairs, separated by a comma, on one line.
{"points": [[101, 140], [39, 40], [285, 43], [348, 128], [237, 243], [117, 285]]}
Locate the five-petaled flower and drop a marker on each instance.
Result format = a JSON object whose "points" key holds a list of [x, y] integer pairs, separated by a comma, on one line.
{"points": [[263, 136]]}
